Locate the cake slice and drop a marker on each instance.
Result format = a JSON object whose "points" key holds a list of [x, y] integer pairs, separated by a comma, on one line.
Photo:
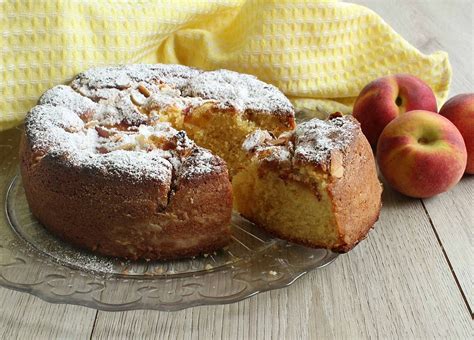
{"points": [[316, 185]]}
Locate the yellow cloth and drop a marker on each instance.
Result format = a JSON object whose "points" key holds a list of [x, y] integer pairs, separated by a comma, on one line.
{"points": [[318, 53]]}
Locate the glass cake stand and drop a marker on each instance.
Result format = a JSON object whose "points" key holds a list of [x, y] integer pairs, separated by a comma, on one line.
{"points": [[34, 261]]}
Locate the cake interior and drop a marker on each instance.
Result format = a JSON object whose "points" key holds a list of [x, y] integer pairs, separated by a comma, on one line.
{"points": [[222, 130], [277, 204]]}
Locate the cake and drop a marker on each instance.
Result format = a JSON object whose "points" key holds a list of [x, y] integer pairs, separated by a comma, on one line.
{"points": [[316, 185], [107, 163], [148, 161]]}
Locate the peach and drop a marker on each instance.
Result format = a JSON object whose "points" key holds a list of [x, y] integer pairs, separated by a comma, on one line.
{"points": [[421, 154], [386, 98], [460, 111]]}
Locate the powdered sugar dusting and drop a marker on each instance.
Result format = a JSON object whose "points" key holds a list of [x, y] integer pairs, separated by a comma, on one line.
{"points": [[46, 126], [312, 142], [240, 91], [256, 139], [137, 164], [228, 89], [316, 139], [65, 96], [199, 163], [118, 109], [61, 134]]}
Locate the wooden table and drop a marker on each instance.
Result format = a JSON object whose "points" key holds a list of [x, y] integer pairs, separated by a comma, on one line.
{"points": [[412, 278]]}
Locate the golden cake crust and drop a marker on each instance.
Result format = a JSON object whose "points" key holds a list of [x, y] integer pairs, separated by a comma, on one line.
{"points": [[134, 205], [120, 216], [356, 195]]}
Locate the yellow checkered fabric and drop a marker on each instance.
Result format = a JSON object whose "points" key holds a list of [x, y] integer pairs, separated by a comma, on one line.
{"points": [[319, 53]]}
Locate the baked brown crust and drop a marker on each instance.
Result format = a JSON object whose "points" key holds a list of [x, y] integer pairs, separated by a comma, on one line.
{"points": [[356, 196], [119, 216]]}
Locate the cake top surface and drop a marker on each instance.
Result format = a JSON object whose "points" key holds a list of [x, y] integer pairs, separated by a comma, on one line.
{"points": [[108, 119], [313, 142], [228, 89], [316, 140]]}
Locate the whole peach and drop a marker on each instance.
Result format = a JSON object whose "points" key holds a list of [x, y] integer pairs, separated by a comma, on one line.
{"points": [[421, 154], [460, 111], [386, 98]]}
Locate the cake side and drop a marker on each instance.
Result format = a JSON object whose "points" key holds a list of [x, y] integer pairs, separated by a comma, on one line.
{"points": [[356, 195], [121, 216]]}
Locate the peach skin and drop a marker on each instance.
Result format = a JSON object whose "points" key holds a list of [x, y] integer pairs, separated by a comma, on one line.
{"points": [[421, 154], [386, 98], [460, 111]]}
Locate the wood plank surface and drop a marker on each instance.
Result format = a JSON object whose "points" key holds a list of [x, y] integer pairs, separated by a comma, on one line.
{"points": [[431, 27], [395, 284], [24, 316], [452, 216]]}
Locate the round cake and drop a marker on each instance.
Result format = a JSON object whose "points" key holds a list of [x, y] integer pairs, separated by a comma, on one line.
{"points": [[137, 162], [107, 164]]}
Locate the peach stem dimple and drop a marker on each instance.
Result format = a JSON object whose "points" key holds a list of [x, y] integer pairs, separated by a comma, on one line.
{"points": [[423, 140], [399, 101]]}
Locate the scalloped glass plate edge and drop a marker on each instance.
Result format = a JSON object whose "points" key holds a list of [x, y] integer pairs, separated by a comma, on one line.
{"points": [[254, 263]]}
